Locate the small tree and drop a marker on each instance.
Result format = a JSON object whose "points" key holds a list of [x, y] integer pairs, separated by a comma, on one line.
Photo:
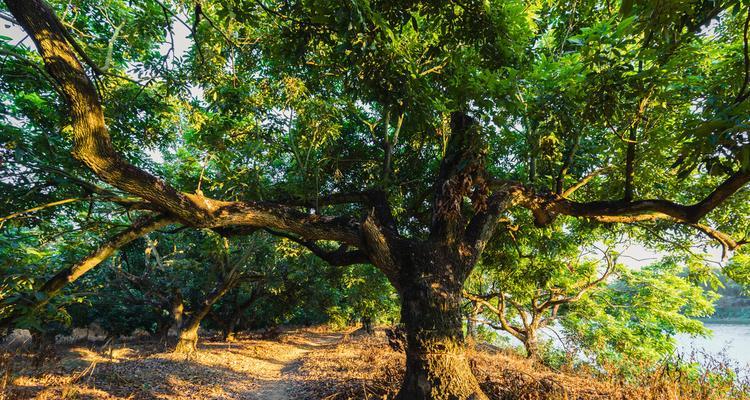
{"points": [[633, 321], [228, 267], [523, 293]]}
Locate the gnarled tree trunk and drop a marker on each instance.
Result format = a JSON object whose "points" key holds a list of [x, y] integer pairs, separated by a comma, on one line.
{"points": [[436, 363], [187, 340]]}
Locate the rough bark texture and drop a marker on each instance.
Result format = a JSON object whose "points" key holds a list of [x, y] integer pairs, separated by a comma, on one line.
{"points": [[429, 280], [187, 342], [531, 343], [177, 309], [436, 364], [188, 338]]}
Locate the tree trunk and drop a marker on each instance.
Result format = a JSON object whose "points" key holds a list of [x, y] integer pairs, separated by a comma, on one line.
{"points": [[228, 333], [436, 363], [239, 311], [367, 324], [187, 342], [531, 343], [188, 338], [471, 322], [177, 308], [43, 347]]}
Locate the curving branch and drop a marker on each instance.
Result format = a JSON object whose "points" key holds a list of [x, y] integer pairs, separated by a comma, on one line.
{"points": [[546, 206], [482, 226], [555, 301], [499, 310], [340, 257], [70, 274], [727, 242], [92, 146], [129, 203], [67, 275]]}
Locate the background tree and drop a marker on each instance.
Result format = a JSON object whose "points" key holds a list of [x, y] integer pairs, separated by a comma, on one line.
{"points": [[400, 131], [633, 321], [522, 293]]}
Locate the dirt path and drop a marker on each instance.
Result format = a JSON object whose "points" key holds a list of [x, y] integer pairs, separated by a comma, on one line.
{"points": [[248, 369], [277, 374]]}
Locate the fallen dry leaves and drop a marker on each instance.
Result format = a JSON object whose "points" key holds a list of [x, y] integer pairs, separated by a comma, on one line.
{"points": [[304, 364]]}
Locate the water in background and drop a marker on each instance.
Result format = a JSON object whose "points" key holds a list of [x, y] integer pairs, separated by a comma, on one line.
{"points": [[733, 340], [730, 339]]}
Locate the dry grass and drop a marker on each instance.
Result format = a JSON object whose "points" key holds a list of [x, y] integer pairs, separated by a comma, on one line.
{"points": [[359, 367], [365, 367], [142, 370], [316, 364]]}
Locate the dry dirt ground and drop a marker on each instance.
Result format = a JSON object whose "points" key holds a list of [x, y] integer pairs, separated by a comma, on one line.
{"points": [[248, 368], [302, 364]]}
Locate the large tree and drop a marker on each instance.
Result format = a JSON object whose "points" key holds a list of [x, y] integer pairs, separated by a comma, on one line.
{"points": [[401, 132]]}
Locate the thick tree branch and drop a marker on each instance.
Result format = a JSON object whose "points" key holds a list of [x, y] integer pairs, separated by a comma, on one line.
{"points": [[92, 145], [130, 203], [461, 174], [70, 274], [727, 242], [483, 225], [545, 207], [383, 247], [374, 198], [340, 257]]}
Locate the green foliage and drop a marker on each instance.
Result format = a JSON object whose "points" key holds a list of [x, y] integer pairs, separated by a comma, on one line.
{"points": [[738, 269], [634, 319], [275, 100]]}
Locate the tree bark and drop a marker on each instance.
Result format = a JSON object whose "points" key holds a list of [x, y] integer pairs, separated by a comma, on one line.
{"points": [[228, 334], [471, 322], [239, 310], [531, 343], [187, 342], [436, 363], [176, 311], [188, 338]]}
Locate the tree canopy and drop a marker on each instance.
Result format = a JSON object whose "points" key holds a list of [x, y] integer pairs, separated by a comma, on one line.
{"points": [[399, 134]]}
